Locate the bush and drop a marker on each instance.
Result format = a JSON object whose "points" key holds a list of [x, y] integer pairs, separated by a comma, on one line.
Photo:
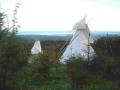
{"points": [[101, 86], [12, 58], [107, 67], [101, 69], [77, 71], [40, 67]]}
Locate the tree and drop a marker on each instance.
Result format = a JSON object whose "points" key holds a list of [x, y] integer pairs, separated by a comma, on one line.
{"points": [[13, 56], [3, 30], [108, 45]]}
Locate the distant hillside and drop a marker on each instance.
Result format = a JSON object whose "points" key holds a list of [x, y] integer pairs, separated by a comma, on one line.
{"points": [[29, 37]]}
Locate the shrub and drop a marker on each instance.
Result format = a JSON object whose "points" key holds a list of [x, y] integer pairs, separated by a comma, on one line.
{"points": [[40, 67], [107, 67], [77, 71]]}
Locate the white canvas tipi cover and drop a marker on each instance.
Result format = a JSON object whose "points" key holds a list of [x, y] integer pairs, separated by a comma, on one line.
{"points": [[36, 49], [78, 45]]}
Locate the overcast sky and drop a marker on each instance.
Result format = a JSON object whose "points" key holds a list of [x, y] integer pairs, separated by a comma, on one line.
{"points": [[61, 15]]}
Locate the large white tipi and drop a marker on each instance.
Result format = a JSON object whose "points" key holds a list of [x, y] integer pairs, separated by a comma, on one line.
{"points": [[36, 49], [80, 42]]}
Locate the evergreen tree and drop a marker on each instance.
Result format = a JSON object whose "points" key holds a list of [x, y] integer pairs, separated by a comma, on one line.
{"points": [[13, 56]]}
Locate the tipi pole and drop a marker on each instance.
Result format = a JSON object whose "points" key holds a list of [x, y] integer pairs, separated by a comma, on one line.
{"points": [[88, 48]]}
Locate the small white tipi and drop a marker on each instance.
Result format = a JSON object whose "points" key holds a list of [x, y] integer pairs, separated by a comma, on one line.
{"points": [[36, 49], [80, 42]]}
